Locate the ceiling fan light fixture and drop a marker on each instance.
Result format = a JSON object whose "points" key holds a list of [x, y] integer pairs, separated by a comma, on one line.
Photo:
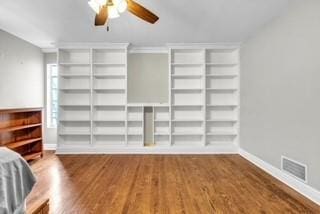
{"points": [[101, 2], [121, 5], [113, 12], [110, 9], [94, 6]]}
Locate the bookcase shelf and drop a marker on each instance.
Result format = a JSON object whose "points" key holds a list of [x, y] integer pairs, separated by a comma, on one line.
{"points": [[108, 64], [203, 107], [188, 133], [222, 64], [104, 76], [75, 89], [187, 89], [31, 155], [222, 89], [106, 133], [74, 75], [74, 120], [102, 72], [221, 75], [188, 120], [187, 96], [21, 131], [186, 76], [222, 120], [204, 85], [162, 133], [73, 133], [19, 127], [22, 142], [73, 64]]}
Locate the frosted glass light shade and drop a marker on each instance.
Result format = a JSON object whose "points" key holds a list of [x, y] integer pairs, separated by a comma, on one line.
{"points": [[113, 12], [101, 2], [119, 6], [94, 5]]}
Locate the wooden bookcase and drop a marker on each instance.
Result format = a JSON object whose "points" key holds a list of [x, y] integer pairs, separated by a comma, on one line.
{"points": [[21, 131]]}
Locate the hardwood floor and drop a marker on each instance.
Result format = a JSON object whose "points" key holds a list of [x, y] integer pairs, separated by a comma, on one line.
{"points": [[161, 184]]}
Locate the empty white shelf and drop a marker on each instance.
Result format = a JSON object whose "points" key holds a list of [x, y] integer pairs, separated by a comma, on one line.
{"points": [[222, 105], [161, 120], [109, 76], [74, 120], [161, 133], [186, 89], [221, 75], [109, 120], [108, 64], [222, 133], [148, 105], [221, 64], [73, 64], [222, 89], [222, 120], [187, 105], [109, 105], [186, 64], [111, 89], [75, 75], [188, 133], [74, 133], [188, 120], [76, 89], [186, 76], [135, 133], [103, 133]]}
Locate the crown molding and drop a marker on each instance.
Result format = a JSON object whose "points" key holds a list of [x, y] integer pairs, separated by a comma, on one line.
{"points": [[49, 50], [142, 49], [148, 49], [95, 45], [222, 46]]}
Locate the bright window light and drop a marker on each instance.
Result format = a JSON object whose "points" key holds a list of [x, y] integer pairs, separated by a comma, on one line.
{"points": [[52, 95]]}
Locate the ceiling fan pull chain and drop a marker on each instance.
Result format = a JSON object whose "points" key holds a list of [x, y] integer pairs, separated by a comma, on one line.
{"points": [[108, 28]]}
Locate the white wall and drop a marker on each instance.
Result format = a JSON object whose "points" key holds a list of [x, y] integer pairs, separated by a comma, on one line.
{"points": [[21, 73], [280, 89], [148, 78]]}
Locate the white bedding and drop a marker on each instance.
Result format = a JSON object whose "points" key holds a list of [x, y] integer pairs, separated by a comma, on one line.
{"points": [[16, 182]]}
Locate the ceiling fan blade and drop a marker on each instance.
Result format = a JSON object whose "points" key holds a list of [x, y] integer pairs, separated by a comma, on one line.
{"points": [[102, 17], [141, 12]]}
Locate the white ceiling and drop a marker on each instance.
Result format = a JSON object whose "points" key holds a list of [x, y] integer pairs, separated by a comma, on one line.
{"points": [[43, 22]]}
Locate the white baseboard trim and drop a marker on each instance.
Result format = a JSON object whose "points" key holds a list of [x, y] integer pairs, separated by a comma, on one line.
{"points": [[49, 147], [214, 149], [295, 184]]}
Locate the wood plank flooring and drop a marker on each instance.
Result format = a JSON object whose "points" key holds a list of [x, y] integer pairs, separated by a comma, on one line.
{"points": [[161, 184]]}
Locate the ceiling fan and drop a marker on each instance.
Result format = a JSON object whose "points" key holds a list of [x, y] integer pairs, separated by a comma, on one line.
{"points": [[109, 9]]}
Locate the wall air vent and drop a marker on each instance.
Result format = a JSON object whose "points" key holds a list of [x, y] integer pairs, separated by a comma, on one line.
{"points": [[294, 168]]}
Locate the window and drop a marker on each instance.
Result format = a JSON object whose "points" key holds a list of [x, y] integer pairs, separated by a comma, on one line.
{"points": [[52, 95]]}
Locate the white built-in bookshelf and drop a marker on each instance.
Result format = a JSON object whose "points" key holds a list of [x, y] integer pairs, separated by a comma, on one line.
{"points": [[135, 125], [161, 125], [74, 97], [204, 96], [187, 97], [202, 114], [109, 97]]}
